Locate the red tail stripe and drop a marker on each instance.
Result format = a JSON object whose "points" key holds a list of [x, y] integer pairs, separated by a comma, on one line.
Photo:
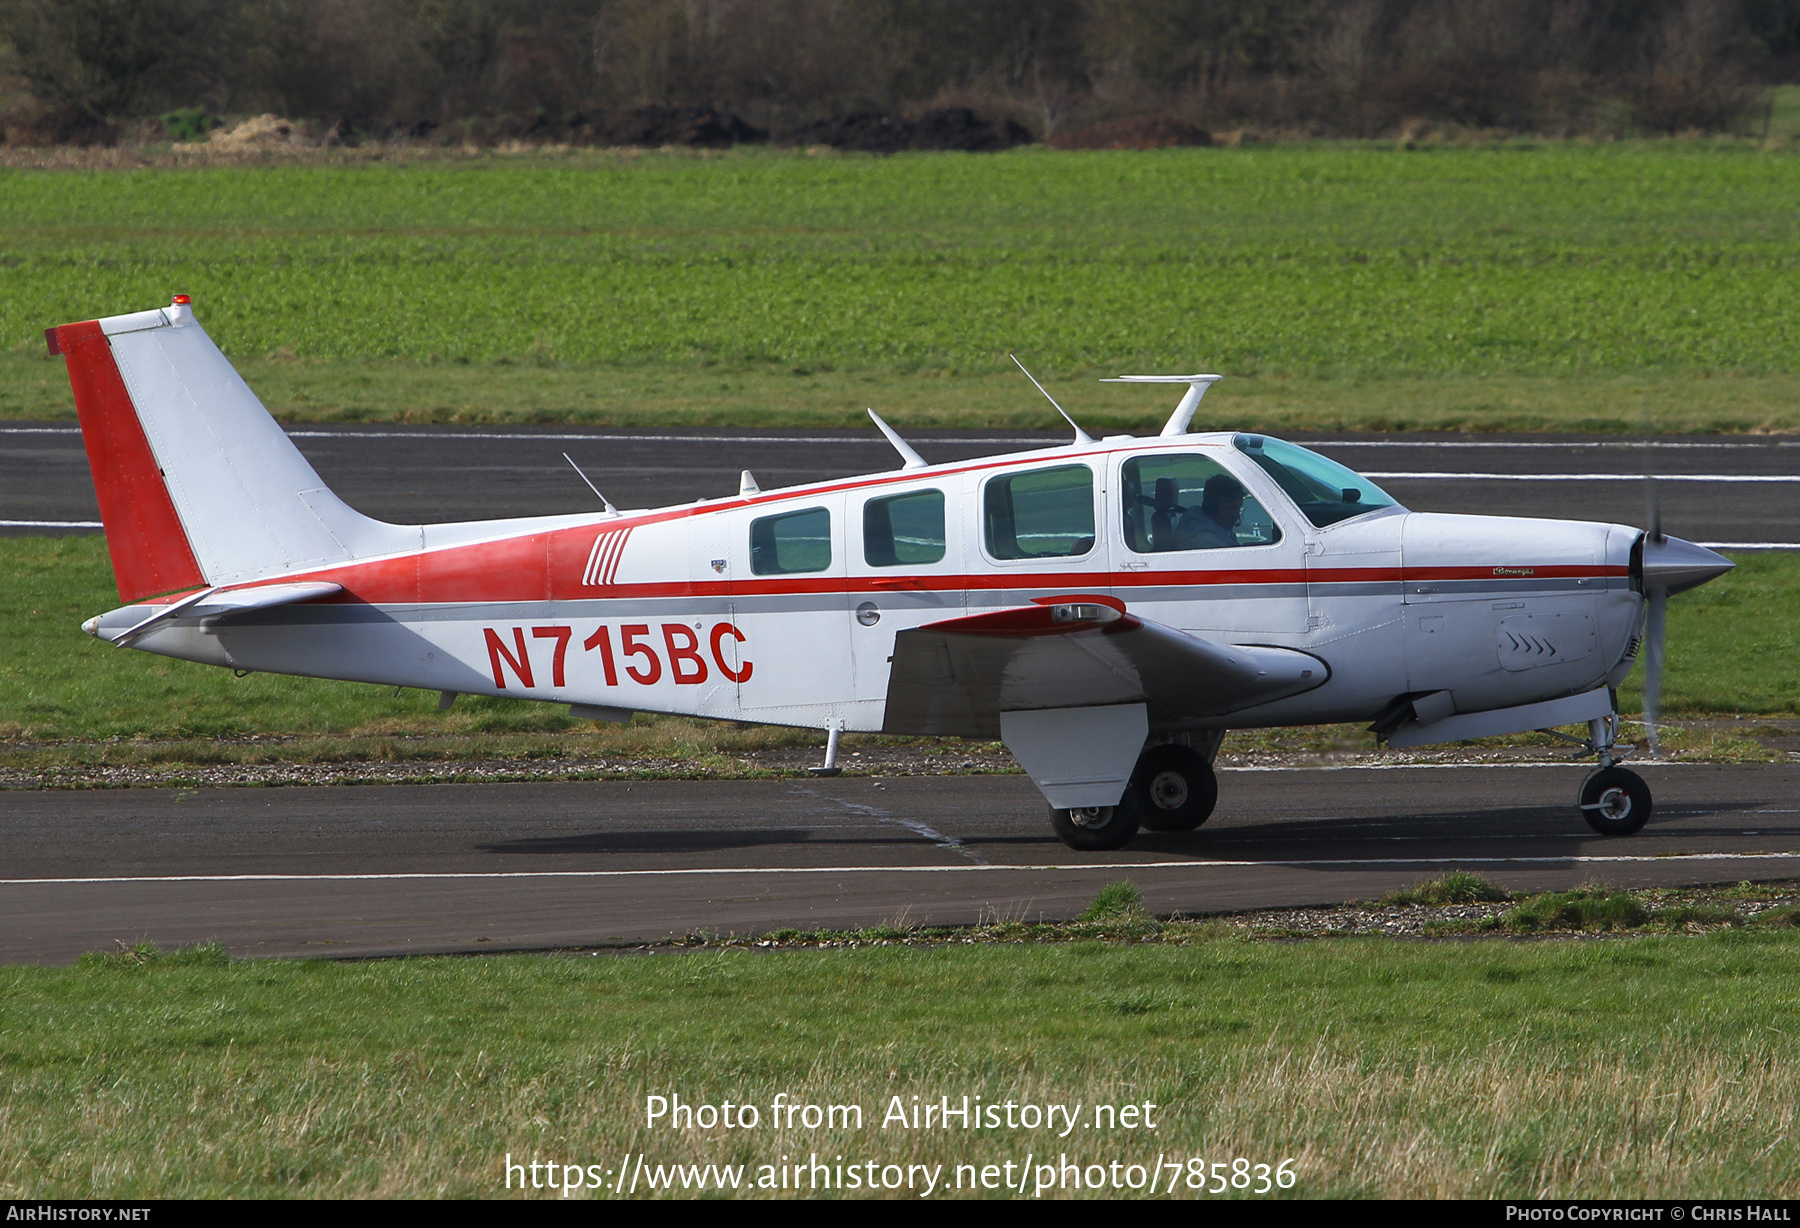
{"points": [[149, 548]]}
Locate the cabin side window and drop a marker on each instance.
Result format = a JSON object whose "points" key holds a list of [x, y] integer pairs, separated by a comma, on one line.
{"points": [[1042, 514], [1183, 501], [791, 542], [904, 530]]}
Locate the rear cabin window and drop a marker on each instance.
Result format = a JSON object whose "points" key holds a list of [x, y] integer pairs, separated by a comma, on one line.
{"points": [[904, 529], [1043, 514], [791, 542], [1183, 501]]}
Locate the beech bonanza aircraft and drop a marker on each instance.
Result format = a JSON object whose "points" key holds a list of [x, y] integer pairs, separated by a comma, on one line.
{"points": [[1108, 608]]}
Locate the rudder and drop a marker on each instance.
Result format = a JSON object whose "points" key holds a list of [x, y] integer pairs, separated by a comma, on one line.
{"points": [[150, 550], [197, 483]]}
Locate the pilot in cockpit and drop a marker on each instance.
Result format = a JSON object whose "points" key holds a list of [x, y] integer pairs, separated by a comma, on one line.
{"points": [[1213, 525]]}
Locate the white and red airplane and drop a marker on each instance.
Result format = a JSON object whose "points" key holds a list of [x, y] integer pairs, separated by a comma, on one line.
{"points": [[1107, 608]]}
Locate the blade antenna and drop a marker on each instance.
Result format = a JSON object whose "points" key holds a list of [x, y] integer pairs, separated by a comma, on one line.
{"points": [[1183, 417], [1081, 436], [610, 509], [909, 459]]}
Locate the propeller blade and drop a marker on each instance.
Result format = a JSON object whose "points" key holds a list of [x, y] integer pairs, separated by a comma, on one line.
{"points": [[1652, 510], [1658, 601]]}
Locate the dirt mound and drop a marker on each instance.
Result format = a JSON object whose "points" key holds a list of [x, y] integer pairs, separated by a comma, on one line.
{"points": [[700, 127], [1137, 132], [261, 132], [960, 128], [863, 131], [956, 128]]}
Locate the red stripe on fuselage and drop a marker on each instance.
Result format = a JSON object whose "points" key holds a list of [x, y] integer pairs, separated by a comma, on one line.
{"points": [[550, 566], [149, 548]]}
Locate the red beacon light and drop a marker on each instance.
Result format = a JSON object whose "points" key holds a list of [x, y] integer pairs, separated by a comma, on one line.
{"points": [[181, 310], [182, 300]]}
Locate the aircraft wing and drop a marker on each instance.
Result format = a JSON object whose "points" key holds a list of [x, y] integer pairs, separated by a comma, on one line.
{"points": [[955, 677]]}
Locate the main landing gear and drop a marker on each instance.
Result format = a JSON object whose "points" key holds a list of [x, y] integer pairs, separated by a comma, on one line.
{"points": [[1615, 801], [1173, 788]]}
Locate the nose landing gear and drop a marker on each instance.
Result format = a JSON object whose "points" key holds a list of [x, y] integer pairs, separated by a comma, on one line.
{"points": [[1615, 801]]}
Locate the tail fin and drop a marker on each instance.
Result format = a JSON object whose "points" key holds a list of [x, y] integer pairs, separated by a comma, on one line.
{"points": [[197, 483]]}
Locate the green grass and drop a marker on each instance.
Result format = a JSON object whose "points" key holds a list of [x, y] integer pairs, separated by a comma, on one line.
{"points": [[379, 390], [1591, 908], [1649, 1067], [1545, 285], [1732, 649], [1596, 908], [1120, 901], [1456, 887], [1734, 644]]}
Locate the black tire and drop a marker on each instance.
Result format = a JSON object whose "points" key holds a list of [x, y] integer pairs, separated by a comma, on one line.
{"points": [[1097, 828], [1175, 787], [1615, 802]]}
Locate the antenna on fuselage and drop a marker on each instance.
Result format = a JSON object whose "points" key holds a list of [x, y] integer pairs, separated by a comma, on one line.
{"points": [[909, 458], [1190, 401], [610, 509], [1081, 436]]}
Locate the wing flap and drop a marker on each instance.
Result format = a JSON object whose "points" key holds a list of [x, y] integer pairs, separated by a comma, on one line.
{"points": [[955, 677]]}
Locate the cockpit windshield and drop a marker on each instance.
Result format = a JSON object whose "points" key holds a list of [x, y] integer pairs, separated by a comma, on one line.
{"points": [[1324, 490]]}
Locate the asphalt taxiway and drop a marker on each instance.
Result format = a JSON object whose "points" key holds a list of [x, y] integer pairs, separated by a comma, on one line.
{"points": [[386, 870], [1734, 492]]}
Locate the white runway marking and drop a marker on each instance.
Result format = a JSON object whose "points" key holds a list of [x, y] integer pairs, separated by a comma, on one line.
{"points": [[1750, 545], [1108, 866]]}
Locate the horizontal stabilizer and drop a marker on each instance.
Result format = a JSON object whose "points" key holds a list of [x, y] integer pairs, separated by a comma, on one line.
{"points": [[956, 677], [218, 603]]}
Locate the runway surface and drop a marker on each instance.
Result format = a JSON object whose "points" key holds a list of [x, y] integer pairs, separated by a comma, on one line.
{"points": [[1727, 492], [379, 870]]}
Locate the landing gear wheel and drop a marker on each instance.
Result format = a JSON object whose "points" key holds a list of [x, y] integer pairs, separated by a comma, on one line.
{"points": [[1615, 802], [1176, 789], [1097, 828]]}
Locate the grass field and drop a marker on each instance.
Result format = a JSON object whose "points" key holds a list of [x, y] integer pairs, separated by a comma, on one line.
{"points": [[1522, 285], [1648, 1067], [1732, 649]]}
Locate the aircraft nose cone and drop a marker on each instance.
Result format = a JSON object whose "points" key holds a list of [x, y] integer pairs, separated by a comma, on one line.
{"points": [[1678, 565]]}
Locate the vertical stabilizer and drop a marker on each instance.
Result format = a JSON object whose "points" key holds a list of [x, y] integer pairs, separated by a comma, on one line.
{"points": [[197, 483]]}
